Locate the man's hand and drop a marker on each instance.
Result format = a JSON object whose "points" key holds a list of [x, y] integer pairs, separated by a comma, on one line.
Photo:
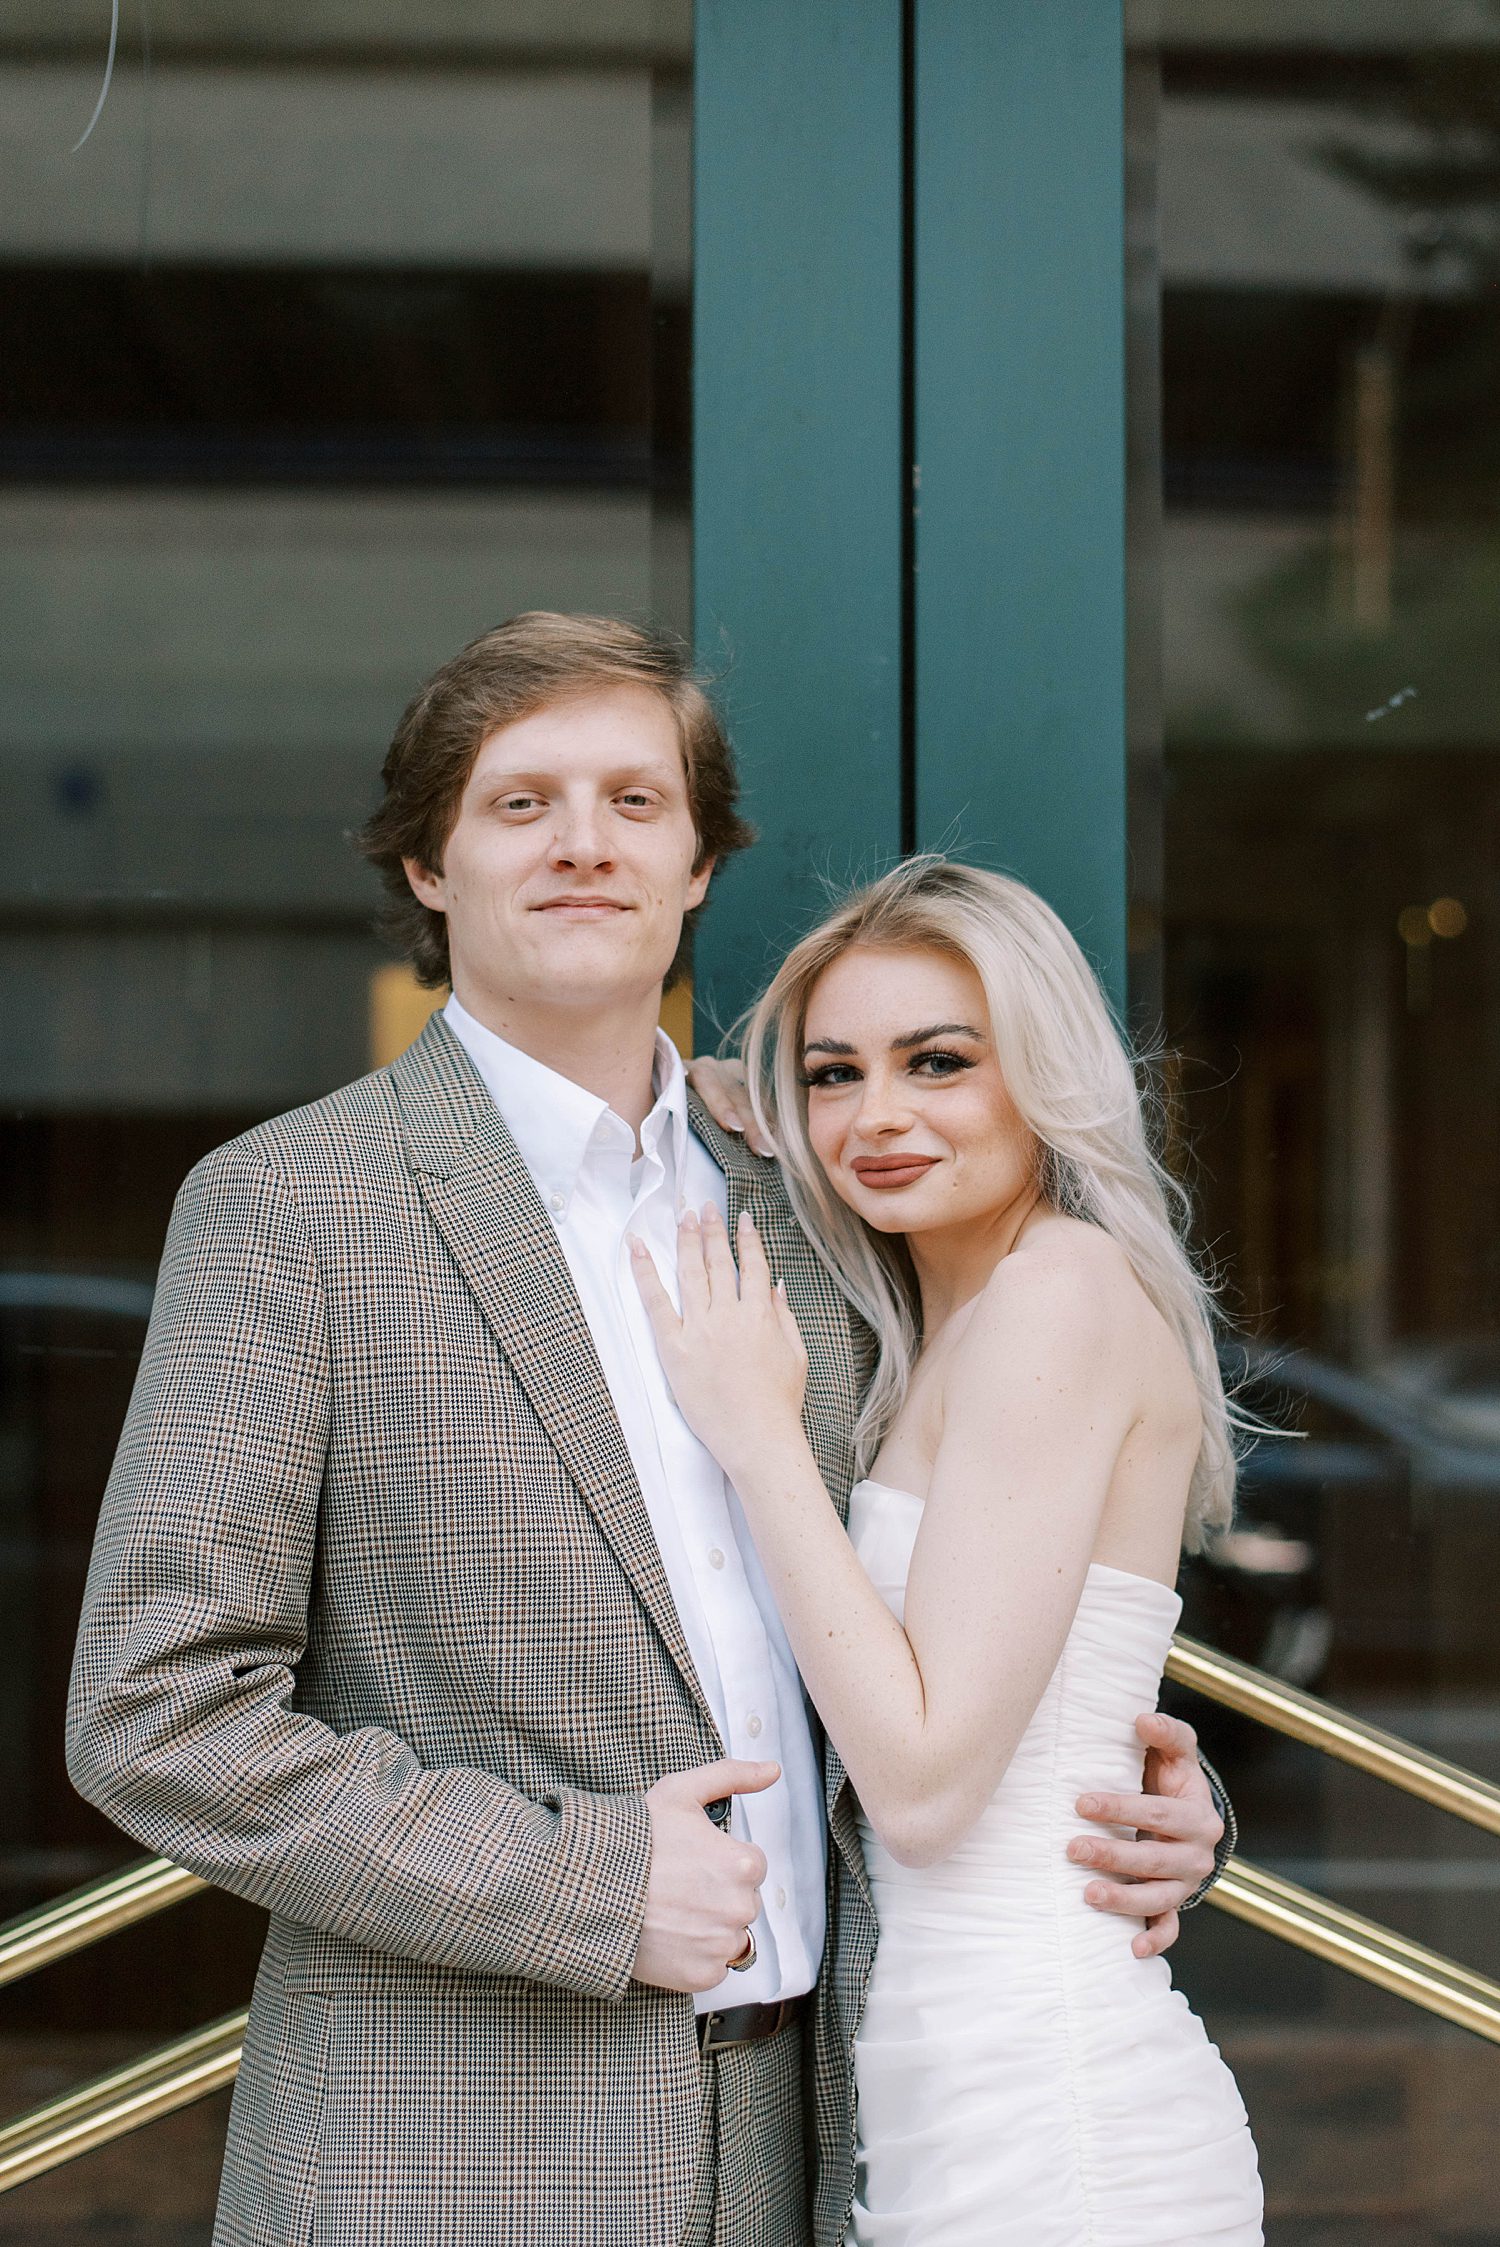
{"points": [[703, 1889], [1177, 1831]]}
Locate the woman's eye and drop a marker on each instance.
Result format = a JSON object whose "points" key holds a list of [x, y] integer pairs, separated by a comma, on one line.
{"points": [[941, 1064], [834, 1073]]}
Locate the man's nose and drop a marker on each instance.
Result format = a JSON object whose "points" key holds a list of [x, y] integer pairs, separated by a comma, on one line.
{"points": [[579, 838]]}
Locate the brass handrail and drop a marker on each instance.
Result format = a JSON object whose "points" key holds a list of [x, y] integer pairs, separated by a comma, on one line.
{"points": [[87, 1915], [124, 2100], [178, 2074], [194, 2066], [1361, 1946], [1334, 1732], [151, 1884]]}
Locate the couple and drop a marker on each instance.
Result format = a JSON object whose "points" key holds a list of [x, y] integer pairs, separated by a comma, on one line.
{"points": [[475, 1516]]}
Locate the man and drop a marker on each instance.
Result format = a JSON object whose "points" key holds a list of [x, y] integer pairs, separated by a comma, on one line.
{"points": [[418, 1616]]}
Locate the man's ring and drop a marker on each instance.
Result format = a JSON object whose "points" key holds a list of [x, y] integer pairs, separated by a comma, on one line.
{"points": [[746, 1959]]}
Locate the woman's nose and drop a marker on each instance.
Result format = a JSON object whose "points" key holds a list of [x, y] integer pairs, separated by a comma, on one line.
{"points": [[883, 1107]]}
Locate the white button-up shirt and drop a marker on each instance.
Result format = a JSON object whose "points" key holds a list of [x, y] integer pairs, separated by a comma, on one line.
{"points": [[597, 1191]]}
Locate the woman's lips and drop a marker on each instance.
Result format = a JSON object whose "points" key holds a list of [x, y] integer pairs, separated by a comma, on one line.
{"points": [[885, 1172]]}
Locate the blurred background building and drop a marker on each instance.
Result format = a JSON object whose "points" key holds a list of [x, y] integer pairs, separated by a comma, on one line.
{"points": [[1077, 443]]}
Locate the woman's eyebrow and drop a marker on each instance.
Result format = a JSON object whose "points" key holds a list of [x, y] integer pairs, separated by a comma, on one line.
{"points": [[938, 1030], [828, 1045]]}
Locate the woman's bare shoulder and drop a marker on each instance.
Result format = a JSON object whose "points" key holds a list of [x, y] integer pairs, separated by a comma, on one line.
{"points": [[1065, 1262], [1068, 1296], [1063, 1293]]}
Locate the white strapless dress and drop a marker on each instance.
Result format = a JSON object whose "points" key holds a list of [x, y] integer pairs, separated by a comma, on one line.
{"points": [[1024, 2080]]}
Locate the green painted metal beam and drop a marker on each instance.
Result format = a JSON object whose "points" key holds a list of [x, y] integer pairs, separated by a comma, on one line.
{"points": [[797, 455], [1019, 323]]}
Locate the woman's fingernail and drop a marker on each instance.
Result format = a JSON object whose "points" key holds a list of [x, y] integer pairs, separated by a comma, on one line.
{"points": [[689, 1220], [710, 1214], [637, 1247], [732, 1123]]}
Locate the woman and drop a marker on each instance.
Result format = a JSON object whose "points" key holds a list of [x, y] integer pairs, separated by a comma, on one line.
{"points": [[962, 1136]]}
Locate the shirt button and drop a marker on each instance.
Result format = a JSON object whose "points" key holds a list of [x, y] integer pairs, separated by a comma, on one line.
{"points": [[752, 1726], [556, 1202], [781, 1899], [716, 1558]]}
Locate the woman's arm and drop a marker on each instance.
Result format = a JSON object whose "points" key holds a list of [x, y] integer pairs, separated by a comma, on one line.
{"points": [[1041, 1395]]}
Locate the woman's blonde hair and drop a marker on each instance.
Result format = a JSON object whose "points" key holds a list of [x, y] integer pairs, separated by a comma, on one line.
{"points": [[1073, 1083]]}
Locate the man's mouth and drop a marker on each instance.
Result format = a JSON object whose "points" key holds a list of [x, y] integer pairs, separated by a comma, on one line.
{"points": [[586, 908], [886, 1172]]}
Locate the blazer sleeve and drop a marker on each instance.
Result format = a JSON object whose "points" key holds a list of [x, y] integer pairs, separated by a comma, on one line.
{"points": [[1229, 1840], [195, 1618]]}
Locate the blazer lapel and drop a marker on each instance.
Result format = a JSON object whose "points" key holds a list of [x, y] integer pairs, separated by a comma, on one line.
{"points": [[741, 1169], [482, 1200], [754, 1183], [833, 1383]]}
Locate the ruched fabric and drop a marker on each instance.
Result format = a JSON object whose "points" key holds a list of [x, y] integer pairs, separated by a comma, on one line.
{"points": [[1023, 2079]]}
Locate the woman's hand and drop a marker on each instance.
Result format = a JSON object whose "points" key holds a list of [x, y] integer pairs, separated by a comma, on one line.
{"points": [[722, 1088], [733, 1355]]}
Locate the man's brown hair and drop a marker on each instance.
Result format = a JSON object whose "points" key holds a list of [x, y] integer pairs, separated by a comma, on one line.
{"points": [[531, 663]]}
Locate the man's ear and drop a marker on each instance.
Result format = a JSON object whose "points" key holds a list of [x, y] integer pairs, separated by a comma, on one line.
{"points": [[698, 886], [427, 887]]}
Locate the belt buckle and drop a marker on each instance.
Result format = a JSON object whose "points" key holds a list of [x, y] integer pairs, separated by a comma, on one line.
{"points": [[708, 2041], [768, 2019]]}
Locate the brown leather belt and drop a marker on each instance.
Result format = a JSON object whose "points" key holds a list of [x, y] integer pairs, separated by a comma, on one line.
{"points": [[747, 2024]]}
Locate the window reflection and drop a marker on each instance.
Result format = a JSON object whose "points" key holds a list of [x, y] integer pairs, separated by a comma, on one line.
{"points": [[1327, 228], [345, 335]]}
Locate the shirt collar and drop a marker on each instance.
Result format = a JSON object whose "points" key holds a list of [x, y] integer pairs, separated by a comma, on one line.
{"points": [[555, 1123]]}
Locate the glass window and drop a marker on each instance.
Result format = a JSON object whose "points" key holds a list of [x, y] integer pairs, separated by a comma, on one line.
{"points": [[1315, 405], [344, 334]]}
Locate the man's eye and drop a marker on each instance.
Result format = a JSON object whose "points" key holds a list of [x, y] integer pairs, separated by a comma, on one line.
{"points": [[638, 799], [519, 803]]}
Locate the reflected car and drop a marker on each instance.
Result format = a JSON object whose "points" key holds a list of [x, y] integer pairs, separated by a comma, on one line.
{"points": [[70, 1344], [1455, 1385], [1363, 1545]]}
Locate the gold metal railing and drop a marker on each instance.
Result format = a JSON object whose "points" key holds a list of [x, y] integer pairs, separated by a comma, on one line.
{"points": [[87, 1915], [1361, 1946], [124, 2100], [1234, 1685], [178, 2074]]}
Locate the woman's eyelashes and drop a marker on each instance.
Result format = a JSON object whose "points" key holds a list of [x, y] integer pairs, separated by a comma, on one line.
{"points": [[933, 1063], [944, 1064]]}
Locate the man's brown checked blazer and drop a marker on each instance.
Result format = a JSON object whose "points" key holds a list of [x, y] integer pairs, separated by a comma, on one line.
{"points": [[377, 1634]]}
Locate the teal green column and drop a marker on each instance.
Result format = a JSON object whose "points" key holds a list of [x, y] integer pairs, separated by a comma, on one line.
{"points": [[797, 459], [1019, 370]]}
